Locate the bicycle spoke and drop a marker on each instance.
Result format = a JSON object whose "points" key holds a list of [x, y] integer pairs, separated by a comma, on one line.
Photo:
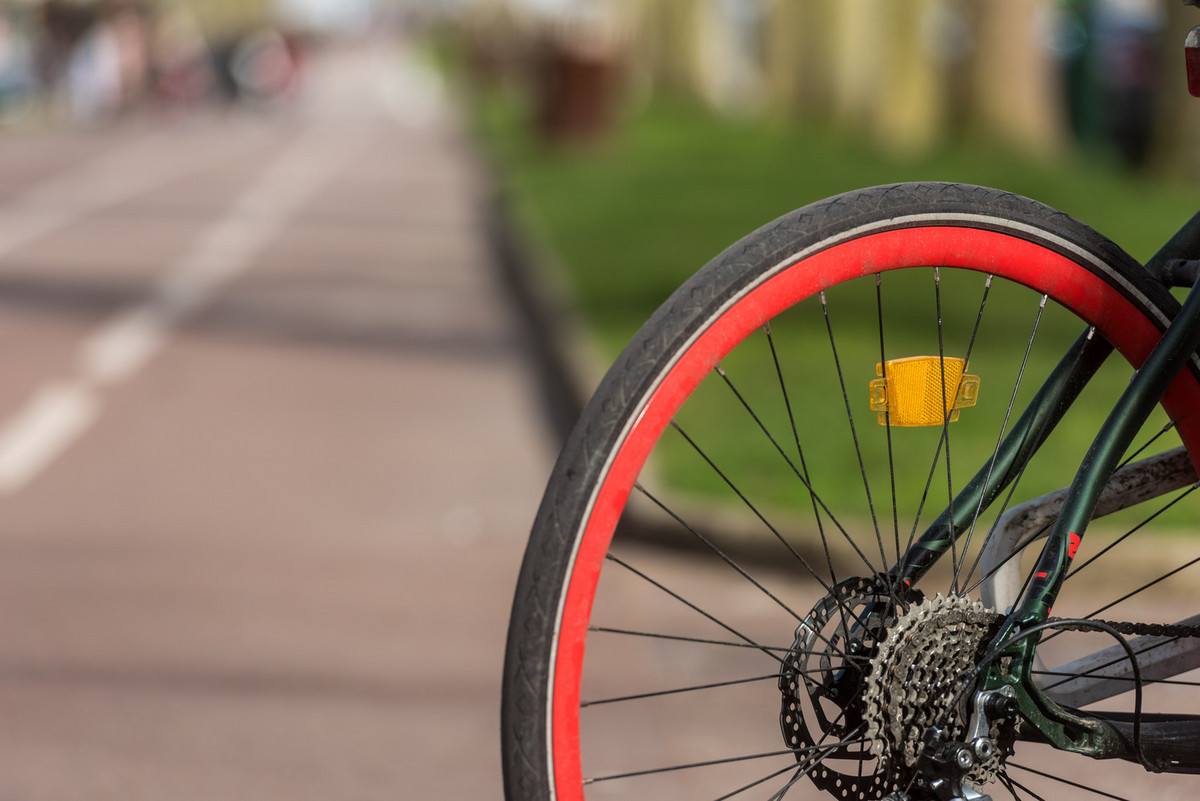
{"points": [[774, 442], [1012, 783], [695, 608], [941, 344], [762, 427], [862, 467], [1170, 424], [943, 442], [717, 551], [858, 451], [757, 782], [987, 286], [687, 766], [731, 563], [1133, 530], [761, 517], [804, 770], [1009, 408], [678, 690], [694, 640], [999, 515], [805, 476], [1015, 554], [1008, 411], [887, 415], [820, 748], [933, 467], [750, 505], [1067, 782], [1143, 588], [1126, 679]]}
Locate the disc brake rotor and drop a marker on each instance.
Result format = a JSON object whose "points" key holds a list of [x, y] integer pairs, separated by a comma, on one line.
{"points": [[823, 680]]}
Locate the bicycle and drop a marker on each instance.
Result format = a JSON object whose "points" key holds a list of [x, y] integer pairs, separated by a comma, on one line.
{"points": [[886, 631]]}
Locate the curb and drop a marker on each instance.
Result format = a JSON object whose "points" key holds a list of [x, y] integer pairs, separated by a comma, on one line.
{"points": [[567, 364]]}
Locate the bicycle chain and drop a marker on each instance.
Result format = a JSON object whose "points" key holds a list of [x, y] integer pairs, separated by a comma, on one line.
{"points": [[1132, 629]]}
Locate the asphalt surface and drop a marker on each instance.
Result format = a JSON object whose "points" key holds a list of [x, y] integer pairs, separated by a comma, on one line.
{"points": [[269, 450]]}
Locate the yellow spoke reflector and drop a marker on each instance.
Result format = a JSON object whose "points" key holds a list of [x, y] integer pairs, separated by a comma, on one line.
{"points": [[922, 390]]}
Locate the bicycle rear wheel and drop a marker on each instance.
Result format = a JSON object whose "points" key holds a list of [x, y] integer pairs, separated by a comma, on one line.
{"points": [[725, 669]]}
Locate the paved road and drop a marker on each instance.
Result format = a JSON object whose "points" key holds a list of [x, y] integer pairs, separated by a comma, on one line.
{"points": [[268, 453]]}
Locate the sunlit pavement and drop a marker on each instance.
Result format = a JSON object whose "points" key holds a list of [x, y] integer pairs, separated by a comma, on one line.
{"points": [[269, 450]]}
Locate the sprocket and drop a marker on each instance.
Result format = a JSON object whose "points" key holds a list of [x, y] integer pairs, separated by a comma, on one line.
{"points": [[916, 683]]}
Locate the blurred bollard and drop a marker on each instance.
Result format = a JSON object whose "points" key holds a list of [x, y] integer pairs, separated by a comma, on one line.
{"points": [[576, 82]]}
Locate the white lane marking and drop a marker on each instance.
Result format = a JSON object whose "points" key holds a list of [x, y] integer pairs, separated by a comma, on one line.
{"points": [[59, 413], [120, 348], [54, 417]]}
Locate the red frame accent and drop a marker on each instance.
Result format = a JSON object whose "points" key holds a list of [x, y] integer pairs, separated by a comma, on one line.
{"points": [[1033, 265]]}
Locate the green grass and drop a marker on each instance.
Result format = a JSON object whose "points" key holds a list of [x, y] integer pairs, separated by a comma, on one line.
{"points": [[631, 218]]}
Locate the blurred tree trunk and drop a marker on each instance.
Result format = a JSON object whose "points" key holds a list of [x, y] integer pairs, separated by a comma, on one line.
{"points": [[856, 60], [1015, 86], [910, 112], [799, 57], [669, 45]]}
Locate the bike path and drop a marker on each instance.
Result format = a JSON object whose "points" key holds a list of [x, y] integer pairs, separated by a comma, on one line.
{"points": [[269, 450]]}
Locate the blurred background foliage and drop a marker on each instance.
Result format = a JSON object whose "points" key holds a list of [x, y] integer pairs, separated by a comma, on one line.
{"points": [[1043, 75], [641, 137]]}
